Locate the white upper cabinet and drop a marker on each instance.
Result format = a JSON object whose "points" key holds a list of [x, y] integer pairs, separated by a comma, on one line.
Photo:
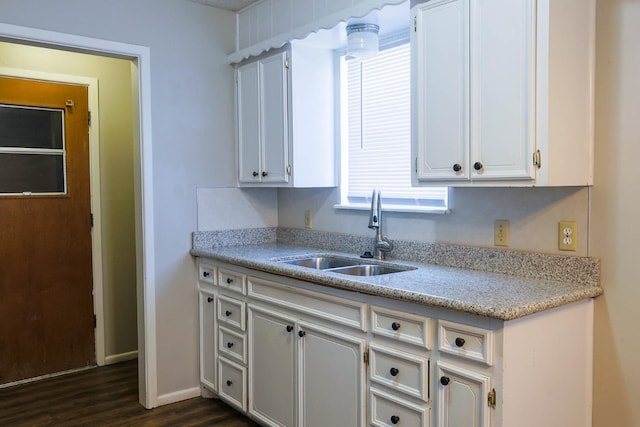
{"points": [[502, 92], [285, 119]]}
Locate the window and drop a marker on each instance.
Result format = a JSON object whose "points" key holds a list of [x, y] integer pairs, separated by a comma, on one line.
{"points": [[32, 152], [375, 98]]}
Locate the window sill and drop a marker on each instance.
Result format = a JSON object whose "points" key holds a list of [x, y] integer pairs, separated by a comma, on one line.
{"points": [[395, 208]]}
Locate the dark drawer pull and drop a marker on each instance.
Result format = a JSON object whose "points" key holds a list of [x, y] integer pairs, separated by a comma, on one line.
{"points": [[394, 371], [395, 419], [227, 313], [395, 326], [229, 280], [229, 382], [229, 344], [459, 342], [209, 299]]}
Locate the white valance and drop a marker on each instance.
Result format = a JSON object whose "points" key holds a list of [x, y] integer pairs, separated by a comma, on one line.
{"points": [[270, 24]]}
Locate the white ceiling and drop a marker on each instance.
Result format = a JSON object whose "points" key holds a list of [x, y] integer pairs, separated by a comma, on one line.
{"points": [[232, 5]]}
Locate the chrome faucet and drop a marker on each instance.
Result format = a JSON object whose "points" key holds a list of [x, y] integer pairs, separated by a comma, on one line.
{"points": [[381, 244]]}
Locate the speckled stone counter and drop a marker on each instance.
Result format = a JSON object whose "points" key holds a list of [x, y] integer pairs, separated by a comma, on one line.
{"points": [[536, 282]]}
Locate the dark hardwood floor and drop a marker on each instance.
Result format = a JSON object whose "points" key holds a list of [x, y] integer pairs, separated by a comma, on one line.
{"points": [[105, 396]]}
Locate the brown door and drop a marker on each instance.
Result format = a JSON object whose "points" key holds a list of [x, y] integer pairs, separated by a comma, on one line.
{"points": [[46, 302]]}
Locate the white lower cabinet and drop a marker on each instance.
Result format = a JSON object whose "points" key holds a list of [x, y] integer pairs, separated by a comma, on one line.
{"points": [[462, 397], [207, 340], [294, 354], [272, 359], [298, 370]]}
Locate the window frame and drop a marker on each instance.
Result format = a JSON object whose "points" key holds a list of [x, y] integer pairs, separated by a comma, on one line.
{"points": [[434, 205]]}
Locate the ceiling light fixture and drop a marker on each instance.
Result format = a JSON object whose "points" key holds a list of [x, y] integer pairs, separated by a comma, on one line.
{"points": [[362, 40]]}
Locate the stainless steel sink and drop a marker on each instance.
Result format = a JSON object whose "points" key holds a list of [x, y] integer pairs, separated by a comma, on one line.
{"points": [[349, 266], [322, 262], [369, 270]]}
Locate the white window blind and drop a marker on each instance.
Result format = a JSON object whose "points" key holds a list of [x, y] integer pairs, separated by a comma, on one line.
{"points": [[376, 92]]}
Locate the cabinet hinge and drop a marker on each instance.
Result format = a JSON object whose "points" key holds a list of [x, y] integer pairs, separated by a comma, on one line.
{"points": [[491, 398], [91, 219], [95, 321], [536, 159], [286, 63], [416, 165], [89, 118], [415, 24], [289, 170], [365, 357]]}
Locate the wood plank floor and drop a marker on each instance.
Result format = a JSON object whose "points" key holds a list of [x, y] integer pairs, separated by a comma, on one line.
{"points": [[105, 396]]}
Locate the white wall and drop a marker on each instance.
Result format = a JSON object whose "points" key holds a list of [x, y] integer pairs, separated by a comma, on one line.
{"points": [[615, 213], [193, 139], [533, 214]]}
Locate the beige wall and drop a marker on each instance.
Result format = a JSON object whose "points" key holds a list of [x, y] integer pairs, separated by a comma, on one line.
{"points": [[615, 212], [116, 177]]}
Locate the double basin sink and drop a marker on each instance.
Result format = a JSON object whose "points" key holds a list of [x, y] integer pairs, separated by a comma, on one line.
{"points": [[343, 265]]}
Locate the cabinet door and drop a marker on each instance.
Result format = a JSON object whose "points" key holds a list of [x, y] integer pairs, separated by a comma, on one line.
{"points": [[332, 380], [440, 72], [461, 397], [275, 121], [248, 117], [272, 367], [502, 88], [207, 340]]}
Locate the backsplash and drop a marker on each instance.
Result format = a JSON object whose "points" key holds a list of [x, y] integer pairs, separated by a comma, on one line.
{"points": [[574, 269]]}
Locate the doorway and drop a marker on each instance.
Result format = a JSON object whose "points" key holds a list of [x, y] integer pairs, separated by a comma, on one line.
{"points": [[144, 266]]}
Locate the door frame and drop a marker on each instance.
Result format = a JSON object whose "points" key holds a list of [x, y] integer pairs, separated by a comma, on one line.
{"points": [[143, 183]]}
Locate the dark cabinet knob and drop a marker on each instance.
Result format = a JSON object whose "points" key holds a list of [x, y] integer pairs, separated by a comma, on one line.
{"points": [[395, 326], [255, 173], [301, 333], [395, 419], [444, 380], [229, 280], [205, 273], [460, 342], [394, 371], [227, 313], [229, 344], [209, 299], [229, 382], [265, 173], [477, 166], [457, 167], [289, 328]]}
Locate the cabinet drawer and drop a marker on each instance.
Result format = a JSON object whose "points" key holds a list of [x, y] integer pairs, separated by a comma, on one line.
{"points": [[401, 371], [207, 273], [232, 280], [388, 410], [232, 312], [232, 380], [465, 341], [335, 309], [232, 345], [400, 326]]}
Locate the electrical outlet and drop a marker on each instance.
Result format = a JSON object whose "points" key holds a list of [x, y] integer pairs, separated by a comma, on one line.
{"points": [[501, 232], [308, 219], [567, 236]]}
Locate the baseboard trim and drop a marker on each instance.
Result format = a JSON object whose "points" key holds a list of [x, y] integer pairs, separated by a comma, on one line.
{"points": [[178, 396], [44, 377], [122, 357]]}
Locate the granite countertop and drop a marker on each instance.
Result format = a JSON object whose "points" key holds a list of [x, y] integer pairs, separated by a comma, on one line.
{"points": [[495, 295]]}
